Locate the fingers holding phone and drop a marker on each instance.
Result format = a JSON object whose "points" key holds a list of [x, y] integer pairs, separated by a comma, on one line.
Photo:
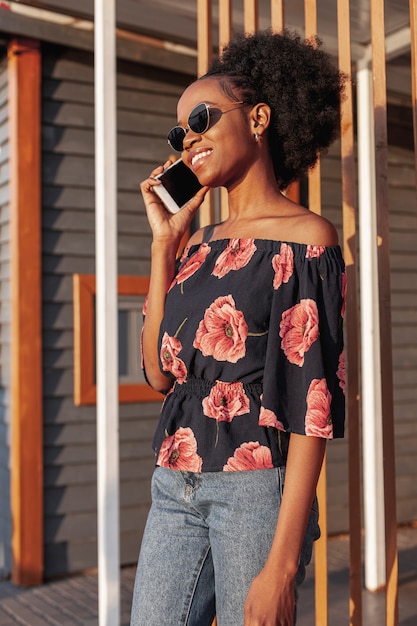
{"points": [[177, 193], [147, 186], [178, 186]]}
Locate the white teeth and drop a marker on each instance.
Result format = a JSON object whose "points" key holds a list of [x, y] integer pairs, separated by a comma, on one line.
{"points": [[199, 156]]}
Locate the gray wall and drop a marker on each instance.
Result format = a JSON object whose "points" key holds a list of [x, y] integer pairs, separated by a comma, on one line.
{"points": [[5, 518], [146, 110]]}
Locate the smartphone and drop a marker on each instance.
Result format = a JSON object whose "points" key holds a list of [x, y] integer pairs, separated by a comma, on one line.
{"points": [[179, 185]]}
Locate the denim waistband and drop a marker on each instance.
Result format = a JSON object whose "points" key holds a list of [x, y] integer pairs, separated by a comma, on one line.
{"points": [[200, 387]]}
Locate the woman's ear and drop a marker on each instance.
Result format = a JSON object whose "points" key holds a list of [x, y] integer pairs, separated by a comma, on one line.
{"points": [[260, 117]]}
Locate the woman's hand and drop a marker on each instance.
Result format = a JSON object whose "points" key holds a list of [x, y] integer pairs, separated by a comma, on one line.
{"points": [[270, 601], [164, 224]]}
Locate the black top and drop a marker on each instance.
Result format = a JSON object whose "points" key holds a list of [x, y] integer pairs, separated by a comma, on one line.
{"points": [[253, 339]]}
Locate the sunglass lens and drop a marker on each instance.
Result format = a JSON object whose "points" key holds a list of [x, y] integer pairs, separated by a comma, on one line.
{"points": [[199, 118], [198, 122], [176, 137]]}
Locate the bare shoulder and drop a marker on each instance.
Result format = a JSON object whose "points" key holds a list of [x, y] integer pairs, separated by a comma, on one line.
{"points": [[294, 222], [301, 225], [319, 231]]}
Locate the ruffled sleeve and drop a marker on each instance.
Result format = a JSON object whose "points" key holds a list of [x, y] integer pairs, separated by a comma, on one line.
{"points": [[304, 382]]}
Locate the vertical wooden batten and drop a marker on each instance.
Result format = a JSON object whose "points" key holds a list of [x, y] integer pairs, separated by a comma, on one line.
{"points": [[384, 287], [225, 30], [320, 550], [413, 27], [204, 55], [314, 176], [251, 16], [225, 23], [24, 64], [352, 322], [277, 15]]}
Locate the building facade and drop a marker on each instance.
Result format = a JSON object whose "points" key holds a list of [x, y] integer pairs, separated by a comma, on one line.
{"points": [[150, 78]]}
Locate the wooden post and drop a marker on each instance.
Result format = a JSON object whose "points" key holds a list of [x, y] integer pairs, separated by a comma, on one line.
{"points": [[225, 22], [320, 551], [204, 54], [251, 16], [277, 15], [384, 286], [24, 65], [413, 28], [225, 29], [314, 178], [352, 323]]}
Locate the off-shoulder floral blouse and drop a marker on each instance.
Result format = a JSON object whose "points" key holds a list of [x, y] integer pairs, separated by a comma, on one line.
{"points": [[252, 337]]}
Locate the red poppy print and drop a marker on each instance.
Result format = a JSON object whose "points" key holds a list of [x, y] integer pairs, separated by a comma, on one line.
{"points": [[226, 401], [193, 264], [341, 372], [318, 420], [185, 253], [249, 456], [344, 288], [236, 255], [222, 332], [269, 419], [314, 252], [283, 265], [145, 306], [170, 347], [299, 329], [179, 451]]}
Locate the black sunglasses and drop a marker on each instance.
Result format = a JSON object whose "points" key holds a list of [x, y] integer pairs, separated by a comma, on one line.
{"points": [[198, 121]]}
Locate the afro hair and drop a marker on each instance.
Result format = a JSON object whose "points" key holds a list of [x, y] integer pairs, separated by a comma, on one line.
{"points": [[298, 80]]}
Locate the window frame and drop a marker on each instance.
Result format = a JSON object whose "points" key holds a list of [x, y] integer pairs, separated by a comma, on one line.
{"points": [[85, 392]]}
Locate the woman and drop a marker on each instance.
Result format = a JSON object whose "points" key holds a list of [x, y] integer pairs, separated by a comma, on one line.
{"points": [[244, 336]]}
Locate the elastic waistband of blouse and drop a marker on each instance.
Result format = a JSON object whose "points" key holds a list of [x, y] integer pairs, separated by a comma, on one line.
{"points": [[201, 387]]}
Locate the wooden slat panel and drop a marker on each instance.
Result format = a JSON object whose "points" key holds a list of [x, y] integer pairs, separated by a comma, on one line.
{"points": [[314, 204], [225, 30], [314, 177], [413, 27], [204, 49], [352, 323], [251, 15], [320, 552], [26, 447], [204, 35], [381, 164], [277, 15], [225, 22]]}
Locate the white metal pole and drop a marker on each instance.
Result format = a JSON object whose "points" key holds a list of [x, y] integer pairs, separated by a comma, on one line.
{"points": [[106, 314], [373, 484]]}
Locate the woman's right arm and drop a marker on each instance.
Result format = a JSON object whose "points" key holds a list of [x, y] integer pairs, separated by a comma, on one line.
{"points": [[167, 230]]}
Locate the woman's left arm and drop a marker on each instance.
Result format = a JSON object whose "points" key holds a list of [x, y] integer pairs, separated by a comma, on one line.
{"points": [[271, 600]]}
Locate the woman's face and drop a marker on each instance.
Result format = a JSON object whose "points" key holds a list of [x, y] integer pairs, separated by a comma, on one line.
{"points": [[222, 154]]}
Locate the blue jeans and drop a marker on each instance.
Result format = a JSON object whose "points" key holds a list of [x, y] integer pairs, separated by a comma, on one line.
{"points": [[207, 537]]}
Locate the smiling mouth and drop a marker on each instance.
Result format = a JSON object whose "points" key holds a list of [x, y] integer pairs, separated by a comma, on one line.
{"points": [[199, 156]]}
